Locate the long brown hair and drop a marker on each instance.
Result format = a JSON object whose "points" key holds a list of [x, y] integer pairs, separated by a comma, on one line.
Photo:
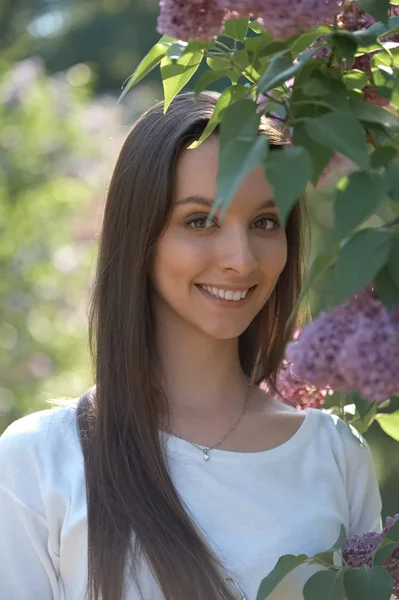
{"points": [[130, 494]]}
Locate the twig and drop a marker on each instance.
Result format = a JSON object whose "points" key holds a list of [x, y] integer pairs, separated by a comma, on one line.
{"points": [[270, 115], [224, 46], [373, 140]]}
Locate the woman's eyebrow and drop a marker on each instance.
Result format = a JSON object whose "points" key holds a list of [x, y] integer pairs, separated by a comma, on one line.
{"points": [[209, 202], [196, 200]]}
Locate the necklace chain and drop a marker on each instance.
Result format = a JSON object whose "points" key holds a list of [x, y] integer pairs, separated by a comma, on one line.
{"points": [[206, 450]]}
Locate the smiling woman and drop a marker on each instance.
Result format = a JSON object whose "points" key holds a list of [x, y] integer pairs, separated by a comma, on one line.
{"points": [[176, 477], [203, 267]]}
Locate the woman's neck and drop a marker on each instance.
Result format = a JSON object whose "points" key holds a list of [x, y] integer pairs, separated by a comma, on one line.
{"points": [[203, 377]]}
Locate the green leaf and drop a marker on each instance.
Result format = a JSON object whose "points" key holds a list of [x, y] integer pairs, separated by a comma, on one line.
{"points": [[382, 156], [331, 91], [320, 155], [370, 113], [242, 59], [366, 410], [393, 260], [359, 261], [236, 29], [303, 41], [368, 37], [357, 434], [355, 80], [389, 423], [345, 46], [280, 69], [386, 288], [393, 533], [255, 26], [340, 539], [324, 558], [241, 149], [269, 47], [368, 583], [341, 133], [319, 265], [363, 406], [176, 49], [292, 160], [218, 64], [175, 75], [384, 551], [149, 62], [234, 92], [385, 74], [209, 77], [285, 565], [393, 179], [358, 196], [327, 584], [377, 8], [393, 23], [196, 45]]}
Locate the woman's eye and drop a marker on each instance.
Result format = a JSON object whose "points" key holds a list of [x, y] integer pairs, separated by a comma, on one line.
{"points": [[266, 223], [200, 223]]}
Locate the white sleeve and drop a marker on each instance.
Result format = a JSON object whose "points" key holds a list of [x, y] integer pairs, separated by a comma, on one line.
{"points": [[363, 492], [26, 566]]}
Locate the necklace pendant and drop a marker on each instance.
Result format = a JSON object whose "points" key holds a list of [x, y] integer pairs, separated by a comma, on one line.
{"points": [[206, 455]]}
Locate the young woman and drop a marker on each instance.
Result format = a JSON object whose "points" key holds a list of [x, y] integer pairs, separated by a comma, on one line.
{"points": [[176, 477]]}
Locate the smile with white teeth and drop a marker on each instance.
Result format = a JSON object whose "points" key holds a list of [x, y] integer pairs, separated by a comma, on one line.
{"points": [[235, 296]]}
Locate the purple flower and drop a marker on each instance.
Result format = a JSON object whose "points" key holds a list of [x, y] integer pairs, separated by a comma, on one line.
{"points": [[286, 18], [188, 19], [314, 355], [243, 8], [389, 522], [295, 392], [357, 552], [354, 347], [369, 359], [203, 19]]}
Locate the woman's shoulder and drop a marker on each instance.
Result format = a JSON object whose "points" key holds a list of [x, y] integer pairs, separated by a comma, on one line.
{"points": [[326, 427], [35, 434], [41, 465]]}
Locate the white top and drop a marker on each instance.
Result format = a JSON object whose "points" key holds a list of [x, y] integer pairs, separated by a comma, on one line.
{"points": [[252, 507]]}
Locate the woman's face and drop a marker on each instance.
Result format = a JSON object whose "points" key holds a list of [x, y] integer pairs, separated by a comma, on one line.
{"points": [[216, 277]]}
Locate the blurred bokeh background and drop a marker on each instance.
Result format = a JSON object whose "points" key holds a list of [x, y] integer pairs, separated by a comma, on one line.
{"points": [[62, 65]]}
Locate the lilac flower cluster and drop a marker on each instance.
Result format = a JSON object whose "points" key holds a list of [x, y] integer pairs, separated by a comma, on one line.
{"points": [[297, 393], [188, 19], [203, 19], [357, 552], [293, 391], [354, 347], [284, 19]]}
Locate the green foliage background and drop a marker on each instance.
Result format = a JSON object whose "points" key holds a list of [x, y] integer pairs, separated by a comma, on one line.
{"points": [[59, 137]]}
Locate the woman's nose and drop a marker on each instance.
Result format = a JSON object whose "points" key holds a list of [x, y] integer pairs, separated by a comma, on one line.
{"points": [[236, 252]]}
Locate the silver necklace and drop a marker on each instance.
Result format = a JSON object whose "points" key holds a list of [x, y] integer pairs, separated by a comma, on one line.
{"points": [[205, 451]]}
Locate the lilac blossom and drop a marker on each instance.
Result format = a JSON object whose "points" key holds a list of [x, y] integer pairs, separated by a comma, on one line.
{"points": [[297, 393], [203, 19], [284, 19], [187, 19], [358, 550], [353, 348]]}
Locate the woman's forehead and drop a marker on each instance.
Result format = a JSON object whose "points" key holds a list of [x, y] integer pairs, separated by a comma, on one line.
{"points": [[197, 171]]}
